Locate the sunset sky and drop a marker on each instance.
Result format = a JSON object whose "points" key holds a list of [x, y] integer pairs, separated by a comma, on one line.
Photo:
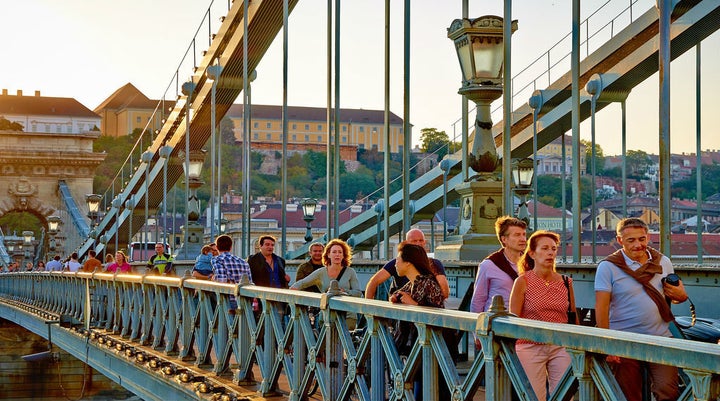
{"points": [[88, 49]]}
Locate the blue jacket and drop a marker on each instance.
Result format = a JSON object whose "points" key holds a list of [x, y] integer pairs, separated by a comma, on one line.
{"points": [[203, 264]]}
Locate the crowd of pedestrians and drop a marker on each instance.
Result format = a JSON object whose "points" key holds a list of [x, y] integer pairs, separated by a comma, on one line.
{"points": [[631, 293]]}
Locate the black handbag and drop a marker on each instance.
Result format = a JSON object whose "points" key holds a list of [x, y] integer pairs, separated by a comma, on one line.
{"points": [[571, 315]]}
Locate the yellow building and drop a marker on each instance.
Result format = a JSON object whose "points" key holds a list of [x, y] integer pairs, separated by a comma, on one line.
{"points": [[128, 109], [359, 128], [550, 158]]}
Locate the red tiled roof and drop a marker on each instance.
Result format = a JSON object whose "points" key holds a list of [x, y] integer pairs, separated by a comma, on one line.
{"points": [[544, 210], [44, 106], [128, 97]]}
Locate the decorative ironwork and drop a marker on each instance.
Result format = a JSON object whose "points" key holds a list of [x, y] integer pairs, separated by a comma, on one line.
{"points": [[165, 322]]}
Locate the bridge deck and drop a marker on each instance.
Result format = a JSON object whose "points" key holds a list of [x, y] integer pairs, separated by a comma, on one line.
{"points": [[175, 337]]}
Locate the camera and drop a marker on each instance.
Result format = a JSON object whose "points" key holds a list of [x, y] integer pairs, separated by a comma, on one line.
{"points": [[672, 279]]}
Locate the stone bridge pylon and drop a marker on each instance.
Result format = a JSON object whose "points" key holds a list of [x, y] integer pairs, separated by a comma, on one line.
{"points": [[33, 163]]}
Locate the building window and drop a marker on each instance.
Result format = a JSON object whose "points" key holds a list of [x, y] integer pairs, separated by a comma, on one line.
{"points": [[294, 137], [256, 124], [319, 139], [344, 139], [307, 138], [320, 127], [138, 119], [268, 136], [344, 128], [307, 127], [361, 129], [294, 126], [268, 125], [256, 136]]}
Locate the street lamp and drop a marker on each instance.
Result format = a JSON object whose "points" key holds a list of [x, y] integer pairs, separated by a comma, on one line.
{"points": [[93, 204], [479, 46], [27, 245], [480, 51], [308, 207], [53, 227], [523, 172], [223, 225], [193, 233]]}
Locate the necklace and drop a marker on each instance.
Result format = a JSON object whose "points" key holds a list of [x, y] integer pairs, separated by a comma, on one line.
{"points": [[545, 278]]}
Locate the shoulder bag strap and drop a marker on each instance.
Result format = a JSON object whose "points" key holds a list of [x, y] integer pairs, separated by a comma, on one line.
{"points": [[339, 276], [566, 280]]}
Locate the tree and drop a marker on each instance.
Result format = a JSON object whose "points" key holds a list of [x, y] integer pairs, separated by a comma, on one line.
{"points": [[687, 189], [434, 141], [371, 158], [550, 191], [227, 131], [7, 125], [357, 184], [599, 156], [637, 162]]}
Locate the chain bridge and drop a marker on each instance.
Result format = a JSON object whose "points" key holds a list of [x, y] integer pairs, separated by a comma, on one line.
{"points": [[179, 338], [175, 338]]}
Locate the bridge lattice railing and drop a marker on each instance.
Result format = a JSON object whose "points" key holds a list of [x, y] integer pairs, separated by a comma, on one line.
{"points": [[184, 319]]}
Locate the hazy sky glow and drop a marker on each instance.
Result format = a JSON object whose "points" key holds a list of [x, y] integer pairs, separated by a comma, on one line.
{"points": [[88, 49]]}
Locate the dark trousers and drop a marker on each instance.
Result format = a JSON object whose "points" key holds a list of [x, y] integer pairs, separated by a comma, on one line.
{"points": [[663, 379]]}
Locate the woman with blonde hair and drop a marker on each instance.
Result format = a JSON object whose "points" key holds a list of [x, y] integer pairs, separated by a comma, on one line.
{"points": [[120, 264], [541, 293]]}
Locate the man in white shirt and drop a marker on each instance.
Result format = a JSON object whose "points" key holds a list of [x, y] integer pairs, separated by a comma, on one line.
{"points": [[73, 265]]}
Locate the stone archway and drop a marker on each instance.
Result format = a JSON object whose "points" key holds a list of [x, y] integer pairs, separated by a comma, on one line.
{"points": [[31, 166]]}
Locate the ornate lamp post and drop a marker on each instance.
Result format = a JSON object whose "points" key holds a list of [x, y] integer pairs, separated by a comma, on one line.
{"points": [[223, 225], [308, 207], [479, 46], [53, 228], [27, 246], [13, 247], [194, 230], [523, 172], [93, 204]]}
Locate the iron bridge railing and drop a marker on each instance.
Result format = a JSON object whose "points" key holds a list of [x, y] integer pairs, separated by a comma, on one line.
{"points": [[191, 322]]}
